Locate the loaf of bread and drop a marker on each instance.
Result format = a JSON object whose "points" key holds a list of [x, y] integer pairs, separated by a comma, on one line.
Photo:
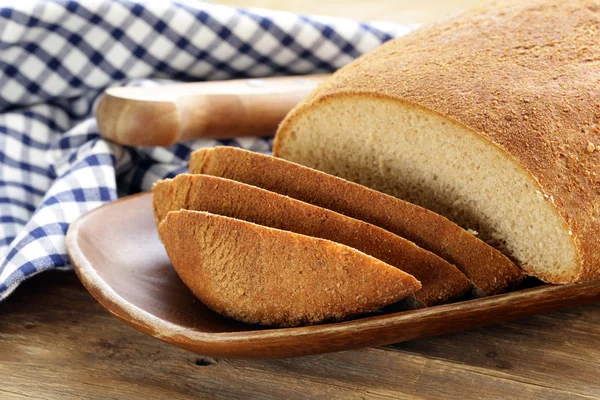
{"points": [[267, 276], [490, 118], [441, 282], [489, 271]]}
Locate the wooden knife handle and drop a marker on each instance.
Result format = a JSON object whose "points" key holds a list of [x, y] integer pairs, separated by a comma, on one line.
{"points": [[164, 115]]}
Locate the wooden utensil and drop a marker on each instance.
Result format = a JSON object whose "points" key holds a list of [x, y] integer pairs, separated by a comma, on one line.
{"points": [[116, 253], [164, 115]]}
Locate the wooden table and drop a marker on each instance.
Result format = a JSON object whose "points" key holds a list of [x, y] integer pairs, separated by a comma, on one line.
{"points": [[56, 342]]}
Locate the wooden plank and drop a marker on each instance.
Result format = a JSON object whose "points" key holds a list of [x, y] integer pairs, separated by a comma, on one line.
{"points": [[56, 342], [529, 350]]}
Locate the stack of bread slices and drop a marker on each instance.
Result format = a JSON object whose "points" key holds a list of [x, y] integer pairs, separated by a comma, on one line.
{"points": [[264, 240]]}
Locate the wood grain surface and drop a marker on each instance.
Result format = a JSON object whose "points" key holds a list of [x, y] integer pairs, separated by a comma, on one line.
{"points": [[56, 342], [222, 109]]}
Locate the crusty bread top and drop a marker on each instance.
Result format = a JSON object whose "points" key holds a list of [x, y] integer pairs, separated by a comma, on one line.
{"points": [[441, 282], [262, 275], [525, 75], [489, 270]]}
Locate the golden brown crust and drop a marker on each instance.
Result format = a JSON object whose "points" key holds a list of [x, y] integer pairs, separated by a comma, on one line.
{"points": [[489, 270], [441, 282], [262, 275], [525, 76]]}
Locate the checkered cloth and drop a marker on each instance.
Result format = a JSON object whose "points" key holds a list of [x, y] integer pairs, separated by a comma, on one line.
{"points": [[57, 57]]}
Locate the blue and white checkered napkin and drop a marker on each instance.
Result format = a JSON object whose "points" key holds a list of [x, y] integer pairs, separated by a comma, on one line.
{"points": [[56, 58]]}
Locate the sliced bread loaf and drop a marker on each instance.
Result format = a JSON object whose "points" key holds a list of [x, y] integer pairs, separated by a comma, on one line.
{"points": [[441, 282], [490, 118], [489, 270], [267, 276]]}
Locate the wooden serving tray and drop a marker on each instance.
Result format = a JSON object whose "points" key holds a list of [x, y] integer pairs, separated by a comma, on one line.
{"points": [[116, 253]]}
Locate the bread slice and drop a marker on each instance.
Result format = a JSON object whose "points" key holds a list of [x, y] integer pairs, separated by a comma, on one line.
{"points": [[489, 270], [441, 282], [268, 276], [490, 118]]}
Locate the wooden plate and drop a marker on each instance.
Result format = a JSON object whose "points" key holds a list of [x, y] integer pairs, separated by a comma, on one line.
{"points": [[117, 255]]}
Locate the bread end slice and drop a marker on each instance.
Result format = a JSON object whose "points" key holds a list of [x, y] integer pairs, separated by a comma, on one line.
{"points": [[268, 276]]}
